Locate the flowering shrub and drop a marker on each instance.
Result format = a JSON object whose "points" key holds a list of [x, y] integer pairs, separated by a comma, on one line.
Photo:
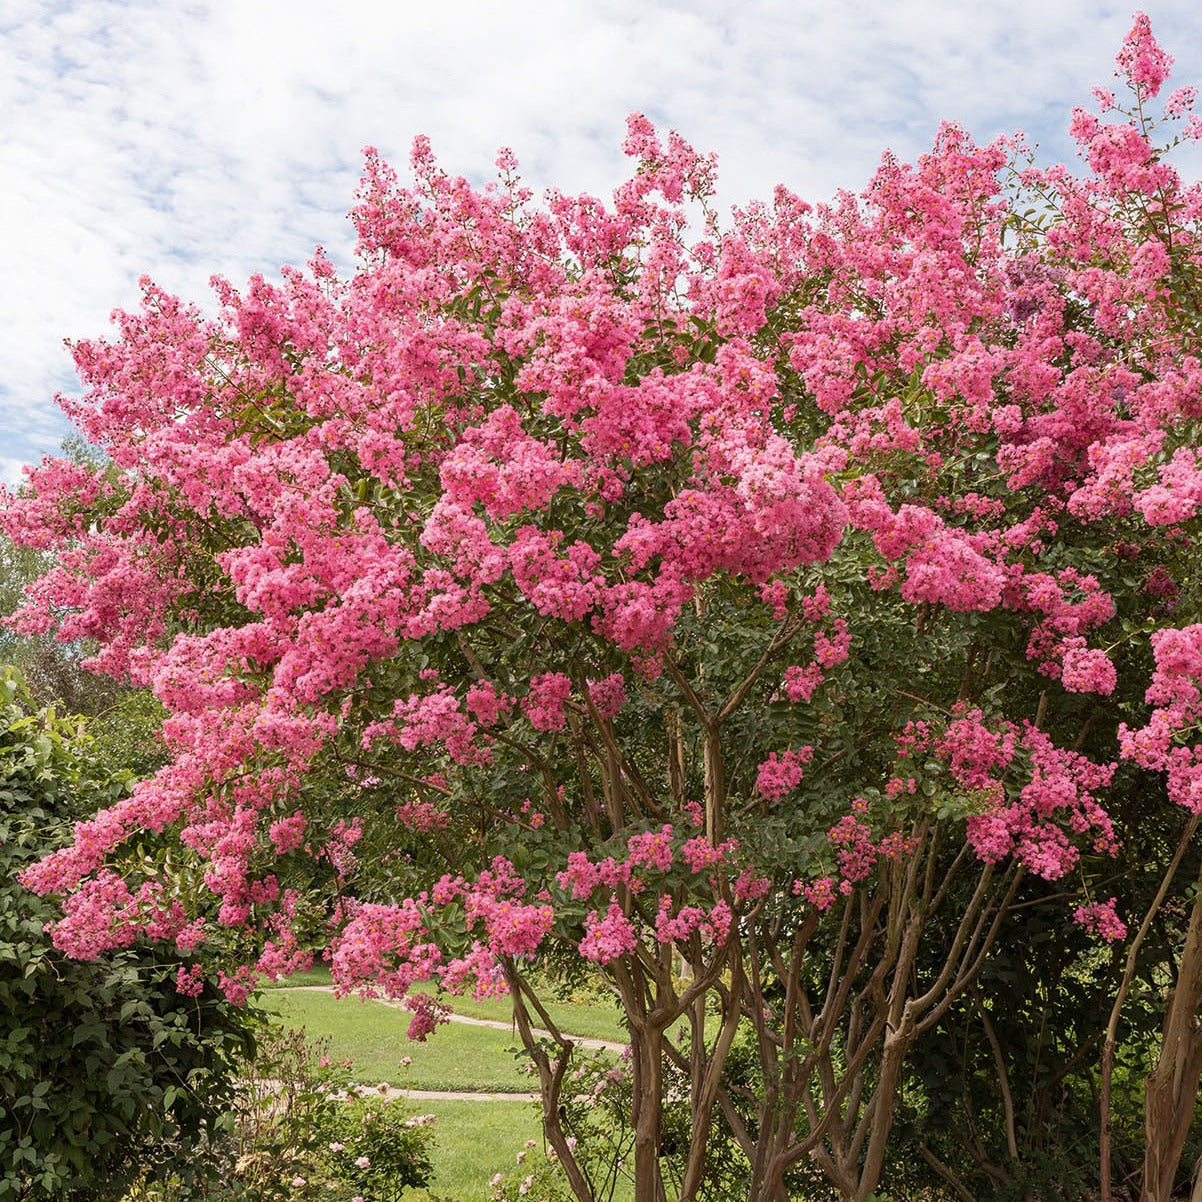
{"points": [[562, 538], [302, 1129], [374, 1146]]}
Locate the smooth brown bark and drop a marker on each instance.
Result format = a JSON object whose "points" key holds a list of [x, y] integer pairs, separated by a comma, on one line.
{"points": [[1111, 1040], [1171, 1092]]}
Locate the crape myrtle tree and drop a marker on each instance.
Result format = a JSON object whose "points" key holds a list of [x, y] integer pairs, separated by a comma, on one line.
{"points": [[719, 605]]}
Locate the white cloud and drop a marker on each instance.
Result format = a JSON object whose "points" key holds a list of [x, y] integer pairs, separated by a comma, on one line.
{"points": [[181, 139]]}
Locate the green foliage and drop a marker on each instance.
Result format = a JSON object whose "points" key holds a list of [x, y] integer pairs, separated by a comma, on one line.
{"points": [[106, 1071], [376, 1148], [299, 1131]]}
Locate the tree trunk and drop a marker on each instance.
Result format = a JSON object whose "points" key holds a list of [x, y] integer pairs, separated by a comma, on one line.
{"points": [[1171, 1092], [647, 1056]]}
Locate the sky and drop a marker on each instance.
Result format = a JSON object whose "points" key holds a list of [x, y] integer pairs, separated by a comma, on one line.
{"points": [[182, 138]]}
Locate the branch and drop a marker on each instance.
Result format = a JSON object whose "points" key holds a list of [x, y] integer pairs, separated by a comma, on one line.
{"points": [[962, 1191], [695, 702], [1003, 1077], [779, 639], [550, 1076]]}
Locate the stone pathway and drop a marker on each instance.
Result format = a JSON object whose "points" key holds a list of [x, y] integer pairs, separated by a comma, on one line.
{"points": [[451, 1095]]}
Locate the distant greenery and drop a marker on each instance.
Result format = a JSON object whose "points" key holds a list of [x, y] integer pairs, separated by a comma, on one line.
{"points": [[123, 722]]}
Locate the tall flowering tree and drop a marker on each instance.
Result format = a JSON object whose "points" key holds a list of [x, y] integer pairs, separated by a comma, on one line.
{"points": [[715, 605]]}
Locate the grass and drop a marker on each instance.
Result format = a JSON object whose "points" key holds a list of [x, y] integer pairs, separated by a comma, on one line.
{"points": [[372, 1034], [319, 975], [474, 1140], [591, 1019]]}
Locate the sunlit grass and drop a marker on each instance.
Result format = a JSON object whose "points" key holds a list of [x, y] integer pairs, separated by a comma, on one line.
{"points": [[473, 1141], [372, 1035], [593, 1019]]}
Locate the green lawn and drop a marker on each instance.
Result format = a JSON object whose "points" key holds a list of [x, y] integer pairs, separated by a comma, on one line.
{"points": [[592, 1019], [474, 1140], [372, 1034]]}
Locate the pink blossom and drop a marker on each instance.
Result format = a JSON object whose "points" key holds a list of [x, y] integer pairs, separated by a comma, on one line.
{"points": [[1100, 917], [1086, 670], [607, 937], [780, 774], [544, 704], [652, 849], [608, 695], [1141, 60]]}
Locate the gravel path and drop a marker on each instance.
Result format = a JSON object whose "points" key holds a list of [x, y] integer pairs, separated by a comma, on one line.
{"points": [[450, 1095]]}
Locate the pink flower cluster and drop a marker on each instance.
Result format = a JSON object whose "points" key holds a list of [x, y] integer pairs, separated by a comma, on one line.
{"points": [[582, 876], [1100, 917], [678, 925], [544, 704], [1167, 742], [1086, 670], [652, 849], [608, 695], [780, 774], [1055, 807], [607, 937]]}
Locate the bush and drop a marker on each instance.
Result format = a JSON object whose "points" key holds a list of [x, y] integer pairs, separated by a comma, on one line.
{"points": [[106, 1070], [301, 1129]]}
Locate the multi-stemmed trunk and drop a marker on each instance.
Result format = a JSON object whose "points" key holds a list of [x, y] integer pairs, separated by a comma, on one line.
{"points": [[833, 1064]]}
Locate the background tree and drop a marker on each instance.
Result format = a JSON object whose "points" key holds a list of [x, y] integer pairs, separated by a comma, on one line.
{"points": [[123, 721]]}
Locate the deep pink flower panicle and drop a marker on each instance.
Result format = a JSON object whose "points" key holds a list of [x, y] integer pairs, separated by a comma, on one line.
{"points": [[1141, 60]]}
